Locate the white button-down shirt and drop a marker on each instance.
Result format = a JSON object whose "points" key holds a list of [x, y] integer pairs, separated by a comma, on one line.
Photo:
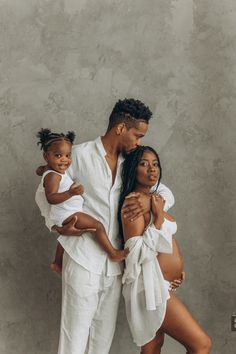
{"points": [[90, 168]]}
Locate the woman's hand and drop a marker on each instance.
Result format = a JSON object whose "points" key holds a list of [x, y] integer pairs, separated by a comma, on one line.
{"points": [[157, 207], [70, 229], [175, 284], [135, 205]]}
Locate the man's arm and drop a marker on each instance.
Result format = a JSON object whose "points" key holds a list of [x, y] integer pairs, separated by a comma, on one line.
{"points": [[70, 229], [41, 169], [137, 204]]}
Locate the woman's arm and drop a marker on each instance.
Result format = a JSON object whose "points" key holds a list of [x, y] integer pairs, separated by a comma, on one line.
{"points": [[166, 193], [132, 228], [136, 205], [157, 207], [51, 185]]}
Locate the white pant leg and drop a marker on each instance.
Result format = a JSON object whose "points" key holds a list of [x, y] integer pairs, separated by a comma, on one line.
{"points": [[80, 296], [104, 322]]}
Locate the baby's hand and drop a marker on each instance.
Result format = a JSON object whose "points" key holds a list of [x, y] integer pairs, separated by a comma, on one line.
{"points": [[76, 189]]}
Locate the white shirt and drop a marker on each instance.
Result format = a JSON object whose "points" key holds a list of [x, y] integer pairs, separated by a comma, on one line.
{"points": [[90, 168], [145, 290]]}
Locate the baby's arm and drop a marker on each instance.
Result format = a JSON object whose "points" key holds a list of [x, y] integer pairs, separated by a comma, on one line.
{"points": [[51, 185]]}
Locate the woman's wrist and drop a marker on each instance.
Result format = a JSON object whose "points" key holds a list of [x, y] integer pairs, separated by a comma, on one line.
{"points": [[158, 220]]}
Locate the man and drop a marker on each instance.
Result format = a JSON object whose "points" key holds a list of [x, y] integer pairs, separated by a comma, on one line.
{"points": [[91, 283]]}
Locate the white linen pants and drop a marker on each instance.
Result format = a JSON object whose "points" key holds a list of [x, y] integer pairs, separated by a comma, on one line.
{"points": [[89, 309]]}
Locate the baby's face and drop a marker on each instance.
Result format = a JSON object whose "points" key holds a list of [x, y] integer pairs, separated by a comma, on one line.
{"points": [[58, 156]]}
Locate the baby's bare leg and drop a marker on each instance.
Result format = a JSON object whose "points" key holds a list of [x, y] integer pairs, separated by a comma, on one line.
{"points": [[85, 221], [56, 266]]}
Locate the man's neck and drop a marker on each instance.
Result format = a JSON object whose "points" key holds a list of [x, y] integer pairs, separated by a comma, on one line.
{"points": [[111, 146]]}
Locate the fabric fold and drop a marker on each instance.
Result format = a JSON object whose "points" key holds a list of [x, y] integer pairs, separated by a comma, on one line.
{"points": [[144, 289]]}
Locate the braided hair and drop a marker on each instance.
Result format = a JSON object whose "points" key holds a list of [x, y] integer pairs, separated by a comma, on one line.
{"points": [[47, 138], [128, 175]]}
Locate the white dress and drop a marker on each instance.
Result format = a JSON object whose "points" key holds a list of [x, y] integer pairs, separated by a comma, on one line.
{"points": [[144, 289], [58, 212]]}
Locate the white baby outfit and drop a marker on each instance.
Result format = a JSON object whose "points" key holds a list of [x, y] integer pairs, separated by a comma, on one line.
{"points": [[58, 212], [145, 290]]}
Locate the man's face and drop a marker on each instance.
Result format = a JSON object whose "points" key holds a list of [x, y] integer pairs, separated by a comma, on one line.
{"points": [[131, 138]]}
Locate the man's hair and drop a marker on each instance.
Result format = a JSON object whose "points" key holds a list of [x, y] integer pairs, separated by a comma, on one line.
{"points": [[129, 111], [128, 175], [47, 138]]}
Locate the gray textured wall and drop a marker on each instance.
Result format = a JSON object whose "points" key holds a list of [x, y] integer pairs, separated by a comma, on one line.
{"points": [[63, 64]]}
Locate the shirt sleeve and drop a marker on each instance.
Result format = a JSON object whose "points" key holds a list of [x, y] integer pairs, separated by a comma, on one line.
{"points": [[49, 223], [166, 193]]}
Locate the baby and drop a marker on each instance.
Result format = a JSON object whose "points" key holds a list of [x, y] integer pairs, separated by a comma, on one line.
{"points": [[61, 199]]}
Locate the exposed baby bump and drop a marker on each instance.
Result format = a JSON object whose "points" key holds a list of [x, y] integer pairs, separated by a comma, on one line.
{"points": [[171, 264]]}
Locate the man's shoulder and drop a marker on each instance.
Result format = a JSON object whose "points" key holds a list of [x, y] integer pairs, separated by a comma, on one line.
{"points": [[88, 145]]}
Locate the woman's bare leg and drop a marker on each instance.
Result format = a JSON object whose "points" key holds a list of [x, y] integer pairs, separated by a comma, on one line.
{"points": [[155, 345], [180, 325], [85, 221]]}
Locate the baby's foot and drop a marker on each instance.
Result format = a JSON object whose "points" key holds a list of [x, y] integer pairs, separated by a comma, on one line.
{"points": [[55, 267], [119, 255]]}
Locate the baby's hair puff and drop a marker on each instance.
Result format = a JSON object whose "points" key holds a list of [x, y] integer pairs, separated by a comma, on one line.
{"points": [[46, 138]]}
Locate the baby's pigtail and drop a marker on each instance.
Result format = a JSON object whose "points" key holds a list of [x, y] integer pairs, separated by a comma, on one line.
{"points": [[70, 136], [44, 135]]}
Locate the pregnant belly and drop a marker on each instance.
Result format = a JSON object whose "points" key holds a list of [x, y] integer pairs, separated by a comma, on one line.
{"points": [[171, 264]]}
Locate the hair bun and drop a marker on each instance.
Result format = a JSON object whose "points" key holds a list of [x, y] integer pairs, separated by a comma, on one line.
{"points": [[44, 136], [70, 136]]}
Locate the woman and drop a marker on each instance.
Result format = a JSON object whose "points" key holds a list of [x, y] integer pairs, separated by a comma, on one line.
{"points": [[152, 309]]}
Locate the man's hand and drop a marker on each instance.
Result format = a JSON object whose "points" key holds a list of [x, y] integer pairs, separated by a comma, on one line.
{"points": [[135, 205], [41, 169], [175, 284], [70, 229]]}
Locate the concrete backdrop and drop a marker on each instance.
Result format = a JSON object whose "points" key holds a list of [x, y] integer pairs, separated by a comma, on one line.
{"points": [[63, 65]]}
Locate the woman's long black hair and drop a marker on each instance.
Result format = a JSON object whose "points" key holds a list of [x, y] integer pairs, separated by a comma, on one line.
{"points": [[128, 176]]}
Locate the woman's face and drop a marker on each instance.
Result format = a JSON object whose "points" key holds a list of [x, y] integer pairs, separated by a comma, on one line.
{"points": [[148, 171]]}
